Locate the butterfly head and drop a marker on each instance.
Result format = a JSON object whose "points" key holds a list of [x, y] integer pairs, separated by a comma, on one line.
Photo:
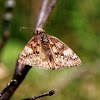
{"points": [[39, 31]]}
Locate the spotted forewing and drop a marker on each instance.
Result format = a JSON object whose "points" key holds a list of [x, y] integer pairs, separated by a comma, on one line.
{"points": [[48, 52]]}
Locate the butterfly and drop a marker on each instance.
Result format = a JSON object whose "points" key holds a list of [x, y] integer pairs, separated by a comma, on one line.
{"points": [[48, 52]]}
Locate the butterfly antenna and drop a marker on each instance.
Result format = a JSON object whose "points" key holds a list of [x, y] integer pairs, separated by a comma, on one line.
{"points": [[25, 28]]}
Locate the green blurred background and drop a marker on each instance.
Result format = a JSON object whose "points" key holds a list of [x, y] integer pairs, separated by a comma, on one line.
{"points": [[75, 22]]}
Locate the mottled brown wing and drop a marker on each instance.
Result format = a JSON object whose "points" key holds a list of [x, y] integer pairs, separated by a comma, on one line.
{"points": [[62, 54], [33, 54]]}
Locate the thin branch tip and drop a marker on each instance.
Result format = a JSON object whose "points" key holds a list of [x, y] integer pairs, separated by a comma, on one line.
{"points": [[50, 93], [45, 12]]}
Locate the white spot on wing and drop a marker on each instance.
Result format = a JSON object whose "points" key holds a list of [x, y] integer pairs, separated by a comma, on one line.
{"points": [[59, 44], [74, 56], [56, 56], [66, 58], [23, 53], [68, 52], [54, 49], [43, 63], [28, 50], [62, 56]]}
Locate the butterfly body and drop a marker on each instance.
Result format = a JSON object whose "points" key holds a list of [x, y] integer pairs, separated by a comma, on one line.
{"points": [[45, 49], [48, 52]]}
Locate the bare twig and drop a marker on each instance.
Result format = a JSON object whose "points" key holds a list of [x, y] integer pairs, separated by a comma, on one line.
{"points": [[12, 83], [42, 95], [42, 12], [19, 75], [6, 22], [46, 12]]}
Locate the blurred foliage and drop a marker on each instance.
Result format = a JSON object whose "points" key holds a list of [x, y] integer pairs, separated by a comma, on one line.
{"points": [[75, 22]]}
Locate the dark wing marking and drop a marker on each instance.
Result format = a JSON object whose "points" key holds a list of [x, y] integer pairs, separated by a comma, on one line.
{"points": [[62, 54]]}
